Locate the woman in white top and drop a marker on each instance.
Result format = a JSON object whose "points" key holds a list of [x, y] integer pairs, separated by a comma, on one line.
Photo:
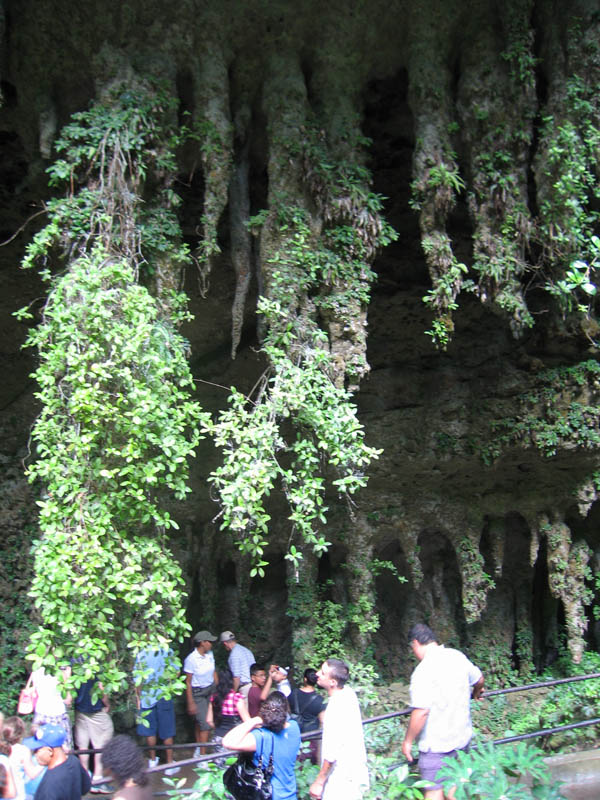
{"points": [[200, 683], [50, 707]]}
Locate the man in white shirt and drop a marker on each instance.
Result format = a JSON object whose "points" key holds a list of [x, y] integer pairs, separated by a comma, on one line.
{"points": [[441, 687], [343, 774], [200, 683]]}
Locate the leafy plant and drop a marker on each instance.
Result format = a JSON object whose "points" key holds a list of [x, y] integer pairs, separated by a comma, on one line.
{"points": [[573, 702], [553, 413], [17, 561], [117, 424], [568, 213], [382, 737], [388, 780], [445, 175], [208, 784], [500, 773], [305, 776], [299, 423], [114, 435]]}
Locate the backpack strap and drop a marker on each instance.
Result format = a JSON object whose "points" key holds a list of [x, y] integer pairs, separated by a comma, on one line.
{"points": [[296, 710], [306, 706]]}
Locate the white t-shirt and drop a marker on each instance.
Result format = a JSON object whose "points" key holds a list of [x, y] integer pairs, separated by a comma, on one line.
{"points": [[442, 683], [49, 701], [18, 753], [284, 687], [201, 668], [344, 746]]}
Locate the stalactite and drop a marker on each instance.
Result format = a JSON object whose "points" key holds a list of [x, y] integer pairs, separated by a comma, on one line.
{"points": [[496, 104], [113, 69], [534, 544], [567, 572], [497, 532], [566, 161], [334, 84], [206, 556], [213, 121], [361, 588], [242, 563], [476, 582], [586, 494], [408, 537], [436, 178], [47, 129], [239, 213], [285, 106]]}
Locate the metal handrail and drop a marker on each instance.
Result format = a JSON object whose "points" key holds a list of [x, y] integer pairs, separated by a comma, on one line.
{"points": [[309, 735]]}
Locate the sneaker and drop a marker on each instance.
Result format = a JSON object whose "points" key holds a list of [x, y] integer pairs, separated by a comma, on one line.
{"points": [[172, 771], [152, 762], [197, 753], [102, 788]]}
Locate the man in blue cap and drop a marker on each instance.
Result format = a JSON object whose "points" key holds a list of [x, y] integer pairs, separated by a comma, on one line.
{"points": [[65, 778]]}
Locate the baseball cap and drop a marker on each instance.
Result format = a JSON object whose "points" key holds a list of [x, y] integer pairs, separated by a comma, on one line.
{"points": [[204, 636], [46, 736], [226, 636]]}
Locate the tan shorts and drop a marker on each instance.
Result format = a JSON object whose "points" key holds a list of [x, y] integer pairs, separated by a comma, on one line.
{"points": [[96, 728]]}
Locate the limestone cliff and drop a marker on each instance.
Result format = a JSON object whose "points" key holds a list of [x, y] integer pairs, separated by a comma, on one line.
{"points": [[478, 121]]}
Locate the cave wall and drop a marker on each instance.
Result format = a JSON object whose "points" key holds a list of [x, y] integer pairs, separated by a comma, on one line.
{"points": [[400, 73]]}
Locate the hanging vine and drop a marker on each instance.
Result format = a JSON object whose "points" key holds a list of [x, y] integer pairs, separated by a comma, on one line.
{"points": [[118, 424], [300, 423]]}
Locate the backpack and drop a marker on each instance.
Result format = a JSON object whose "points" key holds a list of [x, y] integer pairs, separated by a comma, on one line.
{"points": [[301, 716]]}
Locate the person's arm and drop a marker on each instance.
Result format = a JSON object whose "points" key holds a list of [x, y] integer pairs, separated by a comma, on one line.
{"points": [[266, 688], [31, 770], [321, 718], [105, 698], [66, 671], [215, 678], [235, 667], [9, 787], [240, 738], [210, 717], [242, 709], [316, 789], [477, 692], [191, 705], [416, 723]]}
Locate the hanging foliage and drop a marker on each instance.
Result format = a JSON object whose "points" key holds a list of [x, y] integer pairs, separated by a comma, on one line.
{"points": [[118, 424]]}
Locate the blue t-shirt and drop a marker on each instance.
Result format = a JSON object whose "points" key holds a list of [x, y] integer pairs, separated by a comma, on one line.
{"points": [[155, 661], [285, 746]]}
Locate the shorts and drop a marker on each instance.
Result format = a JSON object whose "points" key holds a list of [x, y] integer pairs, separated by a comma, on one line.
{"points": [[158, 720], [95, 727], [227, 723], [431, 763], [62, 721], [201, 698]]}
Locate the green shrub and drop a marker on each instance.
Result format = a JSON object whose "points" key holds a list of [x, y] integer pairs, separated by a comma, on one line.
{"points": [[500, 773]]}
